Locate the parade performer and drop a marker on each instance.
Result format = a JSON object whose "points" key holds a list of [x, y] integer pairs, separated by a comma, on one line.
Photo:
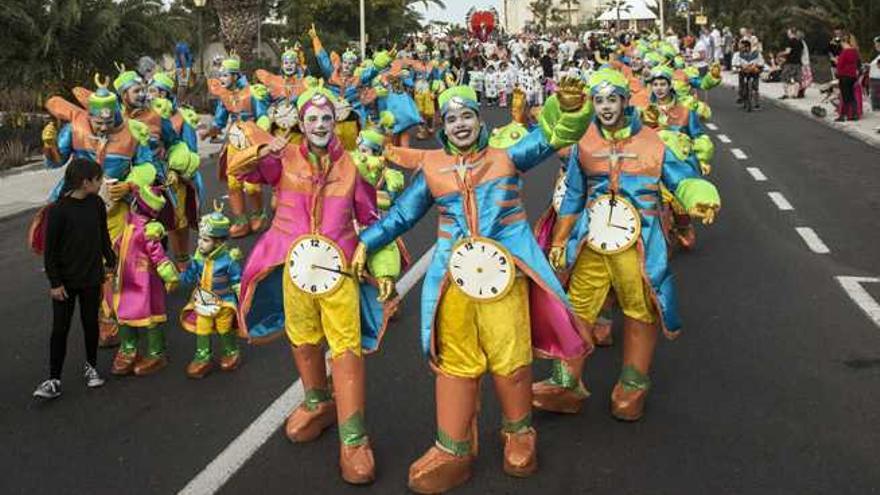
{"points": [[298, 277], [391, 83], [143, 276], [287, 85], [238, 103], [676, 121], [213, 307], [183, 69], [609, 230], [184, 180], [489, 296], [100, 133]]}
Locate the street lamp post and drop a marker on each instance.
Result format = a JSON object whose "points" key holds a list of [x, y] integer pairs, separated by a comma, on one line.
{"points": [[363, 32], [200, 4]]}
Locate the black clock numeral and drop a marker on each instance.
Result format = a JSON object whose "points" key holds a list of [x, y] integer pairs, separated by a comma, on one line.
{"points": [[483, 248], [502, 261], [494, 290], [314, 288], [469, 246], [604, 245], [481, 291], [632, 230], [460, 282]]}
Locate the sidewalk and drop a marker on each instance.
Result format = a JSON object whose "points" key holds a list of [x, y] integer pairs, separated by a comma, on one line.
{"points": [[863, 130], [29, 188]]}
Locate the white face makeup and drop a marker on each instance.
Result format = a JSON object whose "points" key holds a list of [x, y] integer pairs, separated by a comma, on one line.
{"points": [[661, 88], [462, 126], [318, 124], [206, 244], [101, 124], [609, 109], [288, 66], [226, 79], [347, 67], [135, 96]]}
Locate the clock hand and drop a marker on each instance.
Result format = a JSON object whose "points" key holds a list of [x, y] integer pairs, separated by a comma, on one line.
{"points": [[334, 270], [618, 227]]}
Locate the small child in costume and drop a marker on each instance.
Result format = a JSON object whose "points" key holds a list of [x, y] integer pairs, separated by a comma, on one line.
{"points": [[492, 85], [143, 276], [215, 270], [477, 82]]}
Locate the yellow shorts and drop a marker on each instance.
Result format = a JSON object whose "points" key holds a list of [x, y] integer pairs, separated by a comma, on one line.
{"points": [[336, 317], [238, 185], [179, 190], [220, 323], [594, 274], [473, 336], [116, 220]]}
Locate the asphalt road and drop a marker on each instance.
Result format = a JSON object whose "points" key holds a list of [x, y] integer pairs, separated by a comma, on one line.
{"points": [[772, 387]]}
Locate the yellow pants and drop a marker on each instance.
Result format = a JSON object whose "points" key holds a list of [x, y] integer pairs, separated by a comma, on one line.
{"points": [[116, 220], [425, 103], [336, 317], [220, 323], [593, 276], [238, 185], [474, 336], [179, 190]]}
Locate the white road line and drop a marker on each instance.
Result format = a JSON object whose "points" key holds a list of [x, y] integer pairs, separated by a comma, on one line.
{"points": [[237, 453], [724, 139], [756, 174], [813, 241], [738, 153], [780, 201], [854, 289], [711, 126]]}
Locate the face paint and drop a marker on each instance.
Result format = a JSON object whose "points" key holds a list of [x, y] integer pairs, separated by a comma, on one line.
{"points": [[206, 244], [660, 87], [226, 79], [135, 96], [462, 127], [101, 124], [318, 123], [609, 109], [288, 66], [347, 67]]}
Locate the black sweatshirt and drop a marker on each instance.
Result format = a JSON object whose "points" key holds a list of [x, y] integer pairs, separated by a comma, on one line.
{"points": [[77, 243]]}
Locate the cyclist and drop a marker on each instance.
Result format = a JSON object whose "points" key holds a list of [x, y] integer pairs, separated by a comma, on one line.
{"points": [[749, 64]]}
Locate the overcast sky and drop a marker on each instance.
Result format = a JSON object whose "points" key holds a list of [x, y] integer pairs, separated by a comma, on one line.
{"points": [[457, 9]]}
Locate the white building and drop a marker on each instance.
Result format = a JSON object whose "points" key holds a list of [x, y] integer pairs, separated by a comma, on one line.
{"points": [[516, 15]]}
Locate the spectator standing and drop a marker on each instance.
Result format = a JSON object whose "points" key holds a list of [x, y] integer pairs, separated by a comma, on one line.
{"points": [[806, 67], [728, 41], [848, 64], [77, 251], [874, 74], [791, 68], [717, 45]]}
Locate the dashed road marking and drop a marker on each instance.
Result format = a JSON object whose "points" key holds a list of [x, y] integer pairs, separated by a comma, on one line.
{"points": [[813, 241], [780, 201], [739, 154], [211, 479], [711, 126], [756, 174], [854, 289], [724, 139]]}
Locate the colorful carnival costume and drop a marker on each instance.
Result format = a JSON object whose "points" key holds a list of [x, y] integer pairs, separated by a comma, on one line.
{"points": [[97, 131], [298, 279], [143, 275], [609, 233], [489, 295], [391, 84], [213, 307], [238, 103]]}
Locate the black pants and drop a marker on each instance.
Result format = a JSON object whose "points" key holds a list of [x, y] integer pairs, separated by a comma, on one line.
{"points": [[62, 314], [848, 96]]}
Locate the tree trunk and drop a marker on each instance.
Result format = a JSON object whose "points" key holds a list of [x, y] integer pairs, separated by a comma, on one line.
{"points": [[239, 22]]}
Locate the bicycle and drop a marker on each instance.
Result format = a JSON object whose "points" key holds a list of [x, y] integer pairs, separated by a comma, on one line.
{"points": [[749, 91]]}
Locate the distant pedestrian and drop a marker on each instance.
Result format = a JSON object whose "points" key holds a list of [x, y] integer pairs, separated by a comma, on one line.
{"points": [[791, 67], [78, 250], [874, 74], [848, 64], [806, 66]]}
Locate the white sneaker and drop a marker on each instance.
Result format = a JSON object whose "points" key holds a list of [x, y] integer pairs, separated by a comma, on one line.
{"points": [[93, 379], [49, 389]]}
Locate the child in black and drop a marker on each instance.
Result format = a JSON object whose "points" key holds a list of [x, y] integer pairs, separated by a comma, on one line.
{"points": [[77, 251]]}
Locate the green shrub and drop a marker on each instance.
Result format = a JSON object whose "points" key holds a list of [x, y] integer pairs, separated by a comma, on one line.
{"points": [[14, 153]]}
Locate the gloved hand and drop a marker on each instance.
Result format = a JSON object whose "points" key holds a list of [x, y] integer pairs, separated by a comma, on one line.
{"points": [[570, 94], [387, 289], [715, 71], [49, 134], [118, 190], [359, 261], [704, 211], [557, 258]]}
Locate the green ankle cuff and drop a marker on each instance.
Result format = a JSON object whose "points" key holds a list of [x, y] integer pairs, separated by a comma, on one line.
{"points": [[561, 377], [353, 431], [523, 424], [257, 214], [632, 379], [127, 339], [155, 342], [203, 348], [458, 448], [230, 344], [314, 397]]}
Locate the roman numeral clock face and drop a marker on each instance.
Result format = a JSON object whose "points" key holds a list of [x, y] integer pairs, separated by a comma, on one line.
{"points": [[615, 224], [316, 265], [482, 268]]}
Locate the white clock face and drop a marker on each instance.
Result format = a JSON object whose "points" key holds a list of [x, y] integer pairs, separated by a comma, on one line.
{"points": [[559, 192], [316, 265], [206, 303], [615, 224], [237, 138], [283, 114], [482, 269]]}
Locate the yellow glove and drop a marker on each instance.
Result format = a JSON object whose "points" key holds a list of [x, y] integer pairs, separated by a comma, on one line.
{"points": [[651, 116], [705, 212], [387, 289], [715, 70], [312, 32], [706, 168], [359, 261], [49, 134], [557, 258], [118, 190], [571, 94]]}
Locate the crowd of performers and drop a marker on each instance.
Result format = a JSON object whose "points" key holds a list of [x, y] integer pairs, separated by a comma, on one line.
{"points": [[334, 149]]}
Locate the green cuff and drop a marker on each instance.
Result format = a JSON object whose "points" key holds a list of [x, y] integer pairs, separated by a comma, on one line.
{"points": [[693, 191], [385, 262], [561, 377], [632, 379], [708, 82], [203, 348], [182, 160], [704, 148], [167, 271], [141, 175], [508, 426], [154, 231], [458, 448], [677, 142], [353, 431], [564, 128], [162, 107], [260, 91], [314, 397]]}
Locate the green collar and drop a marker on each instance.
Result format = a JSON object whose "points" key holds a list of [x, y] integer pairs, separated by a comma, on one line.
{"points": [[213, 254], [619, 135]]}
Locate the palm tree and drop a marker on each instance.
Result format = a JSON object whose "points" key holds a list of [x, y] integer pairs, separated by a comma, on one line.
{"points": [[618, 6], [541, 11], [239, 22]]}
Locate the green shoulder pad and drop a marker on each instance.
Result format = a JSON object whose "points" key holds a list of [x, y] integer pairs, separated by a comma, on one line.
{"points": [[140, 131], [154, 231], [678, 142], [163, 107], [190, 116], [264, 123], [142, 175], [704, 148], [694, 190], [385, 262], [394, 180], [260, 91]]}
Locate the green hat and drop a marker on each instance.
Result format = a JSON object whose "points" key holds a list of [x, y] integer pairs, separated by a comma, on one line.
{"points": [[102, 102], [661, 72], [149, 199], [668, 51], [608, 81], [231, 64], [372, 138], [350, 56], [653, 58], [125, 80], [458, 96], [163, 81], [382, 59], [215, 224], [316, 94]]}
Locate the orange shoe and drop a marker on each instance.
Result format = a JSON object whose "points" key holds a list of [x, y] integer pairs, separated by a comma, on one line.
{"points": [[258, 221], [123, 363], [356, 463], [520, 454], [230, 362], [438, 471], [149, 365], [548, 396], [198, 369], [304, 425], [628, 405]]}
